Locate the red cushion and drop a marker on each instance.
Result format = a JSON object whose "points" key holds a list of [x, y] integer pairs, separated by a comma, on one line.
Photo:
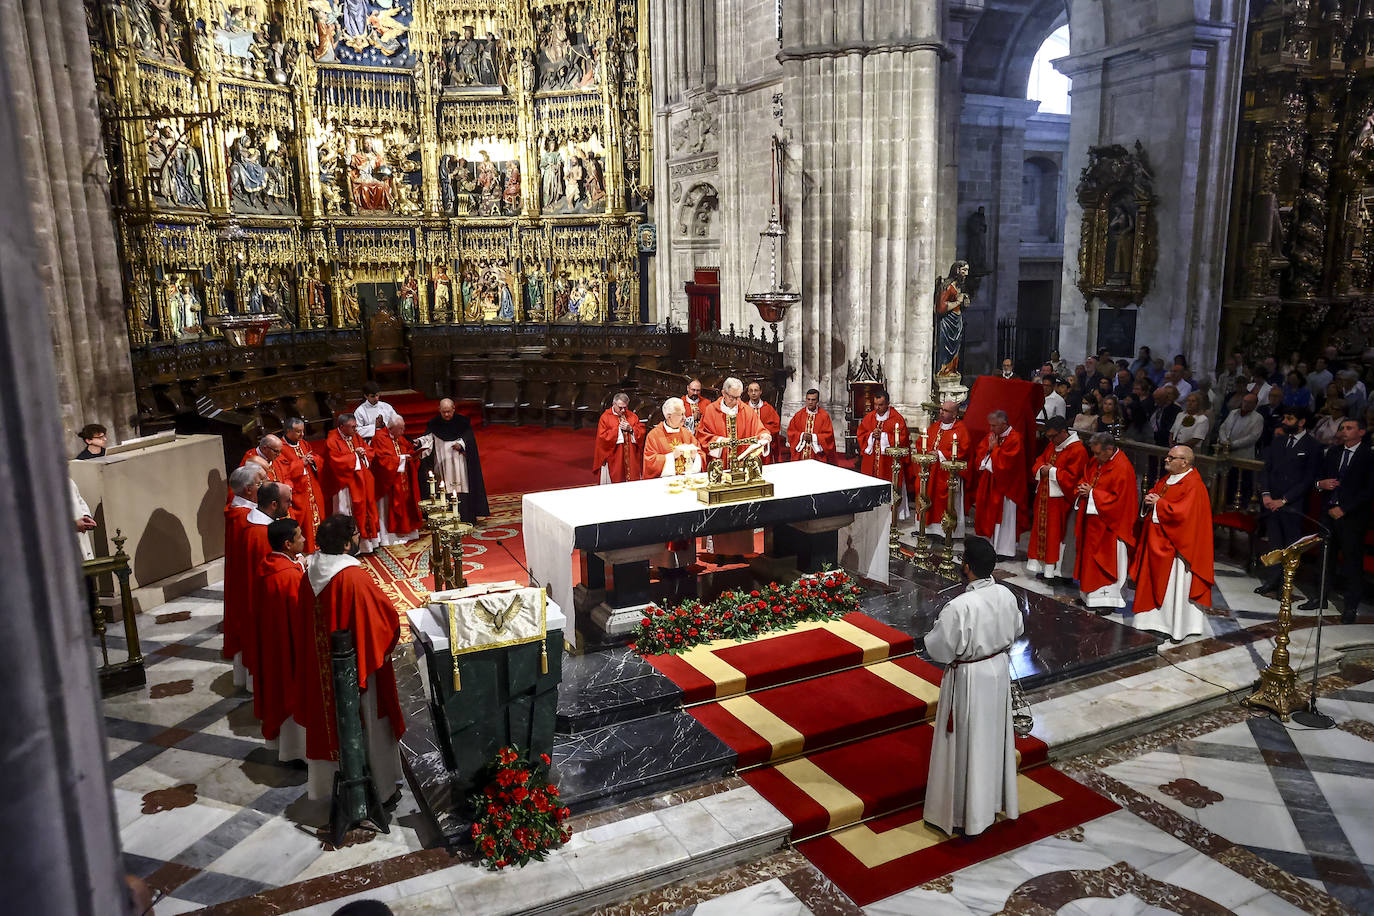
{"points": [[1241, 521]]}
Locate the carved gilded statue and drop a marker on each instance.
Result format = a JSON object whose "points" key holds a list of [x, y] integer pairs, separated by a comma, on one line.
{"points": [[1117, 247]]}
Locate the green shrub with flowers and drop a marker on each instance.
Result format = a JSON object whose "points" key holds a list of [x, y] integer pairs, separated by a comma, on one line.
{"points": [[826, 595], [518, 816]]}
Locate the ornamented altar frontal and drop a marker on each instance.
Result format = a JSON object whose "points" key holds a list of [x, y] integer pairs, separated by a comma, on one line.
{"points": [[452, 161], [641, 513]]}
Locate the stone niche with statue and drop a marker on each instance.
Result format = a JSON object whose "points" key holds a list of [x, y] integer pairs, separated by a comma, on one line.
{"points": [[454, 162], [1119, 247]]}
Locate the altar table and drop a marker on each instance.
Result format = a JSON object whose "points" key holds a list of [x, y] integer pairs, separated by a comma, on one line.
{"points": [[640, 513]]}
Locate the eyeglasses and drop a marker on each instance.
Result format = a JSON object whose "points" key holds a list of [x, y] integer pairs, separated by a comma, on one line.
{"points": [[1174, 458]]}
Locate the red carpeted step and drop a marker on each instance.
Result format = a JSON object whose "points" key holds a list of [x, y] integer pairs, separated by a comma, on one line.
{"points": [[772, 660], [858, 780], [901, 853], [837, 707]]}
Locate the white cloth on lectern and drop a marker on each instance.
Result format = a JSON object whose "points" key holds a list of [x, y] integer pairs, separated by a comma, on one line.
{"points": [[973, 767]]}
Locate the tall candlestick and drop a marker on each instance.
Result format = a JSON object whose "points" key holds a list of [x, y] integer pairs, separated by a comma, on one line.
{"points": [[954, 447]]}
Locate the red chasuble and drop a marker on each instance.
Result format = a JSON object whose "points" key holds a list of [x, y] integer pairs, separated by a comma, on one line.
{"points": [[1052, 512], [1118, 506], [695, 410], [235, 600], [255, 548], [823, 429], [943, 441], [621, 460], [307, 496], [358, 482], [401, 488], [1005, 480], [274, 684], [773, 423], [658, 448], [877, 464], [1184, 530], [347, 600], [712, 427]]}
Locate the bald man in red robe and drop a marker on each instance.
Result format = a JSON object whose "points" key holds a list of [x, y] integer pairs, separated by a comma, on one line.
{"points": [[300, 467], [1056, 474], [350, 470], [395, 470], [810, 432], [338, 594], [243, 488], [619, 440], [941, 439], [1173, 570], [1107, 507], [278, 589], [767, 416], [1000, 488]]}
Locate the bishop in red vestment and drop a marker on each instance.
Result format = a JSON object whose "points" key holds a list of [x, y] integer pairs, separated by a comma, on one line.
{"points": [[274, 686], [619, 440], [945, 439], [395, 470], [1107, 508], [1056, 474], [338, 594], [350, 470], [714, 425], [767, 416], [810, 433], [1000, 489], [243, 485], [1172, 569], [301, 469], [669, 440]]}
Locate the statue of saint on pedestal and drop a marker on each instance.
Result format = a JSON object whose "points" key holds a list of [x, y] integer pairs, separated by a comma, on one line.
{"points": [[950, 302]]}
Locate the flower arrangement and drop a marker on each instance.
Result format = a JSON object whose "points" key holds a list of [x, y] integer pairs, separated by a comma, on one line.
{"points": [[743, 615], [519, 817]]}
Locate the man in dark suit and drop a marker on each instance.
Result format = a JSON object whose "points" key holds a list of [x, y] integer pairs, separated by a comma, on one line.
{"points": [[1165, 412], [1346, 482], [1290, 467]]}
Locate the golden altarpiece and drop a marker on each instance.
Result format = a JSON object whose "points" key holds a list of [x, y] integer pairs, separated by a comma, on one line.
{"points": [[1302, 218], [456, 162]]}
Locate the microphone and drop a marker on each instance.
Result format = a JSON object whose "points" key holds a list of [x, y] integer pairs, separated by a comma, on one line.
{"points": [[529, 577]]}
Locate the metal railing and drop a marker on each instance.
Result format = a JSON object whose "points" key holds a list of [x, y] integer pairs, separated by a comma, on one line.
{"points": [[1230, 480]]}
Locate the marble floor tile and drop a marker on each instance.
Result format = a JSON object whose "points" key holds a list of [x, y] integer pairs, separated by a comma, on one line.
{"points": [[1266, 905], [695, 828], [1203, 875], [922, 902], [602, 863], [770, 898], [167, 833], [175, 906], [1242, 782], [1253, 824], [438, 902], [1352, 801], [984, 887], [276, 853], [482, 893], [1054, 854], [170, 768], [385, 894], [745, 814], [1127, 838], [377, 849]]}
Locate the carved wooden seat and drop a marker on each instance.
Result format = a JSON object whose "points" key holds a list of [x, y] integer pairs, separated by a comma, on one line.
{"points": [[503, 401], [388, 351]]}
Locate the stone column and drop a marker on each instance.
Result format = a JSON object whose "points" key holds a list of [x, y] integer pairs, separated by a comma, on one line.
{"points": [[862, 89], [54, 237]]}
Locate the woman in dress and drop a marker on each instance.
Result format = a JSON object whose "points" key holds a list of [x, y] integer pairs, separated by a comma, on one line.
{"points": [[1086, 423]]}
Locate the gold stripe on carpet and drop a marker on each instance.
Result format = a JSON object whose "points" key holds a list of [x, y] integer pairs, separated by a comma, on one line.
{"points": [[904, 680], [728, 679], [843, 806], [875, 648], [873, 849], [784, 739]]}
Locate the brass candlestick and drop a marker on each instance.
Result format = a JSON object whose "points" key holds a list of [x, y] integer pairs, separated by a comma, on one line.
{"points": [[1278, 684], [923, 462], [896, 454], [950, 521]]}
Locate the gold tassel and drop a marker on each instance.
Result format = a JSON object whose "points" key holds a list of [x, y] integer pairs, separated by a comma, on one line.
{"points": [[544, 657], [457, 678]]}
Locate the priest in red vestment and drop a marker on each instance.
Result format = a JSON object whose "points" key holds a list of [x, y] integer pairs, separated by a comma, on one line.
{"points": [[671, 449], [395, 470], [768, 416], [810, 433], [1107, 506], [350, 471], [883, 428], [274, 502], [945, 439], [1056, 475], [266, 453], [278, 588], [301, 469], [694, 404], [714, 425], [619, 440], [1172, 569], [339, 594], [243, 485], [1000, 488]]}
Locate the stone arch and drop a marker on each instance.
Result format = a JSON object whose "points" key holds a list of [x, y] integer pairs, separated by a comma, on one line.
{"points": [[696, 213], [998, 57]]}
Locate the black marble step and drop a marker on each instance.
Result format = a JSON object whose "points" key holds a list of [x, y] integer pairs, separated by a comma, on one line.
{"points": [[637, 758], [613, 685]]}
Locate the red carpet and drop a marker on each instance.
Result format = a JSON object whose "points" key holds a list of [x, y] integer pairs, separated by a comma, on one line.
{"points": [[890, 854], [727, 668]]}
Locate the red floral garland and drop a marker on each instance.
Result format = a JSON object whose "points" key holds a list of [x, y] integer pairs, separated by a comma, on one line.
{"points": [[744, 615], [519, 817]]}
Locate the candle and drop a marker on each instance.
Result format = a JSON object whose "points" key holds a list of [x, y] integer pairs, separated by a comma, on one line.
{"points": [[954, 448], [924, 436]]}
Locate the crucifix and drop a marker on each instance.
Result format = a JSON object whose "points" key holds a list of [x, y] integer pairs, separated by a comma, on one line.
{"points": [[732, 448]]}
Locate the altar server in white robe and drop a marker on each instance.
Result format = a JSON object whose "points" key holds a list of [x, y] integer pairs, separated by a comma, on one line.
{"points": [[973, 754], [373, 413], [85, 524]]}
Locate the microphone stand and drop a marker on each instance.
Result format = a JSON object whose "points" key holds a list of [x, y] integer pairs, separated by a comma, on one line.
{"points": [[1311, 717]]}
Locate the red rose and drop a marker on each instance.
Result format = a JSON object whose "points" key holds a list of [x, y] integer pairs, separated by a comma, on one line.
{"points": [[754, 593], [546, 758]]}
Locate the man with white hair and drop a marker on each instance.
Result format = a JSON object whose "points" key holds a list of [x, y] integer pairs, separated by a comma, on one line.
{"points": [[243, 484], [671, 449], [457, 464], [397, 485], [350, 464], [730, 418], [619, 436]]}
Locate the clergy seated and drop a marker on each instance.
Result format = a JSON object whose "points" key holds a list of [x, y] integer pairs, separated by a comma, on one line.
{"points": [[395, 470], [338, 594], [973, 752], [457, 465]]}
